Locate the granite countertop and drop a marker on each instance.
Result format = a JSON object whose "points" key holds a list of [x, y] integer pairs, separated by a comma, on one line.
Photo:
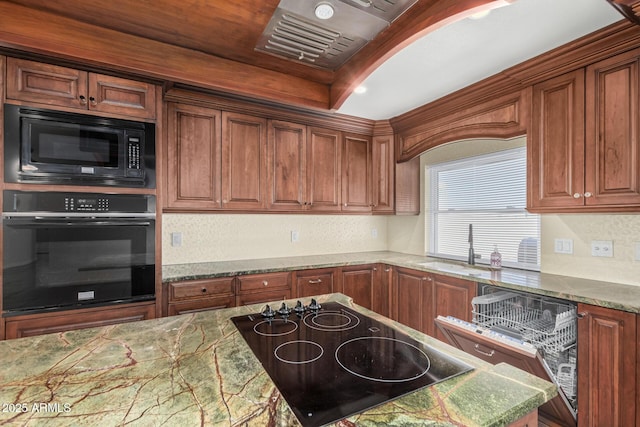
{"points": [[605, 294], [196, 369]]}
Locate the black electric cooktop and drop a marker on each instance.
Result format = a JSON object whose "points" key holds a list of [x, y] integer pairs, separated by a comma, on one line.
{"points": [[330, 362]]}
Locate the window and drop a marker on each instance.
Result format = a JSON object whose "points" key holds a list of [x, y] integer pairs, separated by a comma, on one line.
{"points": [[490, 192]]}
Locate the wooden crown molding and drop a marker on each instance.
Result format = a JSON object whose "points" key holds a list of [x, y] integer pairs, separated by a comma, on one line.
{"points": [[630, 9]]}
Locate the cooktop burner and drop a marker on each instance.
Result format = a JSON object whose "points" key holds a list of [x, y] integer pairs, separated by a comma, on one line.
{"points": [[330, 362]]}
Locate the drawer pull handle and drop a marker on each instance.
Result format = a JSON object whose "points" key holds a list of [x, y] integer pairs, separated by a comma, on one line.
{"points": [[265, 283], [315, 282], [204, 290], [490, 354]]}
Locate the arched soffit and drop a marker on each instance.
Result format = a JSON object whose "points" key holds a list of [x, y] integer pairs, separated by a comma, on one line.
{"points": [[423, 18]]}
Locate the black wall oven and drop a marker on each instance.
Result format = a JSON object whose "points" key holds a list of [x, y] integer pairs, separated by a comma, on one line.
{"points": [[71, 250]]}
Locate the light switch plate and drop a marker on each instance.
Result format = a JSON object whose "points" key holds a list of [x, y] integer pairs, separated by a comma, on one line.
{"points": [[176, 239], [602, 248], [295, 236], [563, 246]]}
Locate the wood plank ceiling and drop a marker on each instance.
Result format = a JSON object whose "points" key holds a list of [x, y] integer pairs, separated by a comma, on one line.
{"points": [[205, 43]]}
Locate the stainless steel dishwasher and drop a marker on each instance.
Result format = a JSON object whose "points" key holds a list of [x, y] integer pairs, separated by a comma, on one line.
{"points": [[535, 333]]}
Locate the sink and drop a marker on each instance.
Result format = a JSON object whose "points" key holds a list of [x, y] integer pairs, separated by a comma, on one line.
{"points": [[453, 268]]}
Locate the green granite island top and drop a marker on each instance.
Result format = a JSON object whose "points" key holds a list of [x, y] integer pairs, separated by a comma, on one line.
{"points": [[196, 369], [605, 294]]}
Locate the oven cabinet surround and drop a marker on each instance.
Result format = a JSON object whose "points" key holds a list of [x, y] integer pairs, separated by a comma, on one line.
{"points": [[585, 142], [248, 159], [49, 323], [138, 372], [55, 86], [419, 297], [608, 368]]}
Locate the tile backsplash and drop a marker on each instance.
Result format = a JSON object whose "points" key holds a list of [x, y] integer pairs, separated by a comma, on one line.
{"points": [[223, 237]]}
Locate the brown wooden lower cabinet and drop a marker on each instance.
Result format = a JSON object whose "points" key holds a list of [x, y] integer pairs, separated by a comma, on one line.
{"points": [[263, 288], [411, 298], [47, 323], [360, 283], [314, 282], [199, 295], [607, 367], [451, 297]]}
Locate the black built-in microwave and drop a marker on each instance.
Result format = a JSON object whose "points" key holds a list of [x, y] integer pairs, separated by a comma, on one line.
{"points": [[53, 147]]}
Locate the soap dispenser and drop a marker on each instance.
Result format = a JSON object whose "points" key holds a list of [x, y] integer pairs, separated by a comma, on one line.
{"points": [[496, 258]]}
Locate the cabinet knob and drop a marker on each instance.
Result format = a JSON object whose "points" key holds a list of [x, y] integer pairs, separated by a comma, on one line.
{"points": [[375, 269], [576, 195], [587, 194], [582, 315], [83, 100], [265, 283], [93, 101], [345, 205], [204, 290], [386, 270], [315, 282]]}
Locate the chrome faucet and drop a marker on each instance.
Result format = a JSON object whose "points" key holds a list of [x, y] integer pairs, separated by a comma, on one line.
{"points": [[472, 256]]}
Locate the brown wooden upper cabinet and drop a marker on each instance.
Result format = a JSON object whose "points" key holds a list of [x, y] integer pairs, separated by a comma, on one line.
{"points": [[193, 154], [244, 161], [287, 166], [324, 169], [356, 175], [67, 87], [382, 174], [584, 148]]}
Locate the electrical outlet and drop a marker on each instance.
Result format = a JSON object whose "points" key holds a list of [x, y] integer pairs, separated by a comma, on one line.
{"points": [[295, 236], [603, 248], [374, 233], [176, 239], [563, 246]]}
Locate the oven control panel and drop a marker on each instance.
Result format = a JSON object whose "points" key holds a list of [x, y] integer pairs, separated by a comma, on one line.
{"points": [[83, 204]]}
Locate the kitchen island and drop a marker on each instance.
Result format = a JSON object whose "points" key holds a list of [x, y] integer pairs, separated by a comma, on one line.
{"points": [[196, 369]]}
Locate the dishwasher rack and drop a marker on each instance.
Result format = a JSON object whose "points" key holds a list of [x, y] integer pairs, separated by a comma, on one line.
{"points": [[547, 323]]}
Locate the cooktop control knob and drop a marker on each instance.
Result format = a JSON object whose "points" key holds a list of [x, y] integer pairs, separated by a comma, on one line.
{"points": [[314, 306], [284, 310], [268, 312], [299, 308]]}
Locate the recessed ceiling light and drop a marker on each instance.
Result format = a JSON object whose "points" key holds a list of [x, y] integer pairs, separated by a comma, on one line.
{"points": [[360, 90], [323, 11]]}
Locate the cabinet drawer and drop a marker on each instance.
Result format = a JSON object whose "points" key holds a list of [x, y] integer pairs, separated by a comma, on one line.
{"points": [[272, 296], [202, 304], [200, 288], [263, 282], [314, 282]]}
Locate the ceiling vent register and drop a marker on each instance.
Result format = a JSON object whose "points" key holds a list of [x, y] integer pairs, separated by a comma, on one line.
{"points": [[296, 33]]}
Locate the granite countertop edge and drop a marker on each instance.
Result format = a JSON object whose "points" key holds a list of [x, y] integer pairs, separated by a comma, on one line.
{"points": [[600, 293]]}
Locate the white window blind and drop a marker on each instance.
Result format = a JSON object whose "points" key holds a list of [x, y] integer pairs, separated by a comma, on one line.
{"points": [[490, 192]]}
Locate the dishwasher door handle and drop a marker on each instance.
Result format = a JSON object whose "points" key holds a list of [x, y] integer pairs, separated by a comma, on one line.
{"points": [[489, 354]]}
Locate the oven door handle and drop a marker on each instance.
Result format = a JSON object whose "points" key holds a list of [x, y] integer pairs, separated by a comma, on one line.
{"points": [[39, 221]]}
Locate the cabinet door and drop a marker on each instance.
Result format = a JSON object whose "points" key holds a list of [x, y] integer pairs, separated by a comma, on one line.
{"points": [[193, 157], [244, 164], [382, 174], [324, 175], [359, 283], [408, 187], [606, 367], [556, 145], [451, 297], [382, 291], [612, 140], [314, 282], [287, 166], [46, 84], [412, 298], [129, 98], [356, 173]]}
